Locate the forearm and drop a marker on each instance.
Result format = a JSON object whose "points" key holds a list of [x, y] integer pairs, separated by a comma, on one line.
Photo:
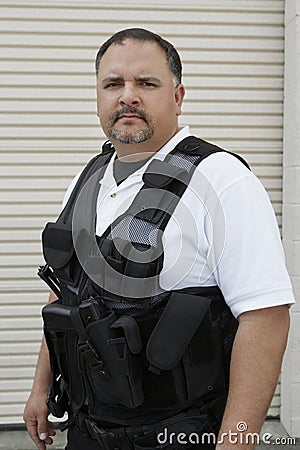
{"points": [[42, 378], [255, 366], [36, 411]]}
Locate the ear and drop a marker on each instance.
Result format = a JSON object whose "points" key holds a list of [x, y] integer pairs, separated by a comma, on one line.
{"points": [[97, 102], [179, 95]]}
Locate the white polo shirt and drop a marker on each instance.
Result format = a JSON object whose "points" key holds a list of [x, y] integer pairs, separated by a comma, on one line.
{"points": [[223, 231]]}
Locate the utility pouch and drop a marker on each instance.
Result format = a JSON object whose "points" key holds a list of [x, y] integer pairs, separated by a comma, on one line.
{"points": [[60, 254], [187, 343], [109, 360], [57, 317]]}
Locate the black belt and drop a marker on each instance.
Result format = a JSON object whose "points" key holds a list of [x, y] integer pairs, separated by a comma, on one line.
{"points": [[144, 437]]}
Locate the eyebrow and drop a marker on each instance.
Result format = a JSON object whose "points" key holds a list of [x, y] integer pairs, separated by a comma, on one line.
{"points": [[119, 79], [149, 78], [109, 79]]}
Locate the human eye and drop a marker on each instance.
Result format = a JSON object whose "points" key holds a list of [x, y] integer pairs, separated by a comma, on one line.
{"points": [[147, 84], [112, 85]]}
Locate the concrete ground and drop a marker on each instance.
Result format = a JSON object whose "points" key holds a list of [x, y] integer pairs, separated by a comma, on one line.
{"points": [[272, 430], [20, 440]]}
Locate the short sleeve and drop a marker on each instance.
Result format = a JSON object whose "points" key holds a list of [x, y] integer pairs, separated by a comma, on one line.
{"points": [[251, 272], [70, 189]]}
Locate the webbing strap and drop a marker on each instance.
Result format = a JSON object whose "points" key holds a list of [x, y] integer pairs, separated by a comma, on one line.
{"points": [[99, 161], [190, 146], [144, 437], [166, 184]]}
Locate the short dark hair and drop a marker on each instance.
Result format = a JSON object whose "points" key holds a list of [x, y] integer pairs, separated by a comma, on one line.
{"points": [[142, 35]]}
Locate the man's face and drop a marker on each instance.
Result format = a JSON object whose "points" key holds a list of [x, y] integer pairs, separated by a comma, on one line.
{"points": [[137, 100]]}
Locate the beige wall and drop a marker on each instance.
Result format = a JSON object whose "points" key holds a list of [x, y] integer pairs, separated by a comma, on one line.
{"points": [[290, 410], [232, 55]]}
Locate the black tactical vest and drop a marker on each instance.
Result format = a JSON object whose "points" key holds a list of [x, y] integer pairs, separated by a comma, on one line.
{"points": [[121, 348]]}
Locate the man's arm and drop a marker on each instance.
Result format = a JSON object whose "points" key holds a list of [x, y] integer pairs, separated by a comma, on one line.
{"points": [[36, 411], [256, 361]]}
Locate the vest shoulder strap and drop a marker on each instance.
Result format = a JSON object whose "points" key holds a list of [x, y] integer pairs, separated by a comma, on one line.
{"points": [[195, 146], [191, 147], [172, 174], [97, 162]]}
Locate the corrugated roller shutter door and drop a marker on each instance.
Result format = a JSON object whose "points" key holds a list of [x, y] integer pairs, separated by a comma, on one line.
{"points": [[233, 70]]}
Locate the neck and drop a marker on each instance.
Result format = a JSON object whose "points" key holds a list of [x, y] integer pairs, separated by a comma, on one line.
{"points": [[137, 152]]}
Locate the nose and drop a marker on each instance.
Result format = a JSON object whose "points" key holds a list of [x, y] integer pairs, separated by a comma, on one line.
{"points": [[129, 95]]}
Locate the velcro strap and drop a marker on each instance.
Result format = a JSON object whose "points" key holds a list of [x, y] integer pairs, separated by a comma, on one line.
{"points": [[160, 174]]}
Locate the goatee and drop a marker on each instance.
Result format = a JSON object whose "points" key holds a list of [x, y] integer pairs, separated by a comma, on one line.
{"points": [[127, 134]]}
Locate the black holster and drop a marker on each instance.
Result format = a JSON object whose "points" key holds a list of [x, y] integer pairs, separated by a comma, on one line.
{"points": [[176, 363], [107, 354], [57, 326], [108, 360]]}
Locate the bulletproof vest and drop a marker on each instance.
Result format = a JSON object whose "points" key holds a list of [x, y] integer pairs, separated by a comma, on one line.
{"points": [[129, 347]]}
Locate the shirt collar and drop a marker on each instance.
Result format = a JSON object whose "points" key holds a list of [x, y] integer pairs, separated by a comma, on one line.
{"points": [[171, 144], [108, 179]]}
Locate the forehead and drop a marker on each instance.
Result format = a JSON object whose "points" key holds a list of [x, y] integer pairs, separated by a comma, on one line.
{"points": [[134, 58]]}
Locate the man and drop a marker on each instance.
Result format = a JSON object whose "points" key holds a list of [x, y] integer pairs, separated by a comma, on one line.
{"points": [[182, 237]]}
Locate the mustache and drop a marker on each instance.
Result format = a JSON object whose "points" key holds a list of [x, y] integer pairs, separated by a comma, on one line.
{"points": [[135, 111]]}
